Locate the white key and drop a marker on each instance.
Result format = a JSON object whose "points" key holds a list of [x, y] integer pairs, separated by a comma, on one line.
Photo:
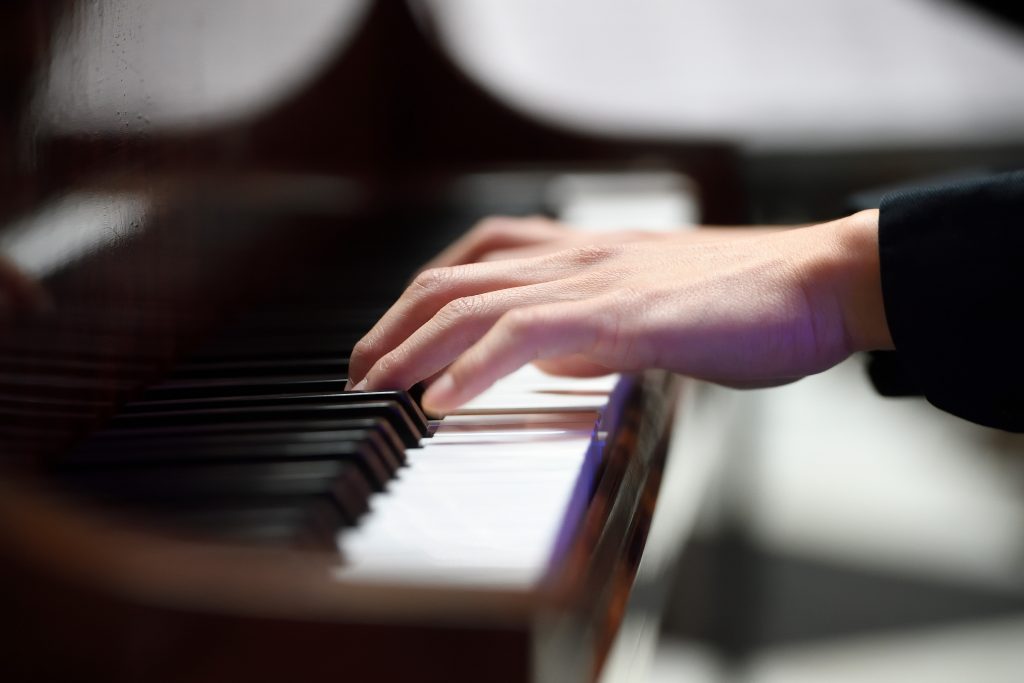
{"points": [[490, 497]]}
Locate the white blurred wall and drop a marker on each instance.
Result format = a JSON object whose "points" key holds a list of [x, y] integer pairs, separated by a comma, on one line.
{"points": [[773, 74]]}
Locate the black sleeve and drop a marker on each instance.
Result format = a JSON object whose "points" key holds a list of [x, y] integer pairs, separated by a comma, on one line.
{"points": [[952, 261]]}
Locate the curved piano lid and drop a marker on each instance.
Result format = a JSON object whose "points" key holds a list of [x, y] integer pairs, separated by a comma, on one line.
{"points": [[778, 74], [130, 66]]}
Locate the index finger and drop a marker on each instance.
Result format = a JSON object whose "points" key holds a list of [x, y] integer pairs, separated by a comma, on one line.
{"points": [[432, 290]]}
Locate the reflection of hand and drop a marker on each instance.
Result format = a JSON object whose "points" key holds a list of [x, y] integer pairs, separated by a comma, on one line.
{"points": [[19, 293], [735, 308]]}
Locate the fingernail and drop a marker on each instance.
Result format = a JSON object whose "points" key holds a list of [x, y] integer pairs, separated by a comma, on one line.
{"points": [[361, 386], [348, 385], [440, 395]]}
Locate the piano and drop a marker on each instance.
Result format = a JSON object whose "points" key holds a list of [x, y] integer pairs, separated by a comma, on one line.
{"points": [[187, 492]]}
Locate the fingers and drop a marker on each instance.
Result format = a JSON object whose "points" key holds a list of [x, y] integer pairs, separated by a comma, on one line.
{"points": [[456, 327], [435, 288], [429, 292], [519, 337]]}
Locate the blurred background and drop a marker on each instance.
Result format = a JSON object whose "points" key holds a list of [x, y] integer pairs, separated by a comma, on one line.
{"points": [[844, 537]]}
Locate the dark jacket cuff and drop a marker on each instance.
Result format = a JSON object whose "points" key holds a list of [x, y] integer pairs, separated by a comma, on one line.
{"points": [[952, 262]]}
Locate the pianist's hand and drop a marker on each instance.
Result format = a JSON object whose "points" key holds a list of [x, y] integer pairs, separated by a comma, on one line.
{"points": [[743, 309]]}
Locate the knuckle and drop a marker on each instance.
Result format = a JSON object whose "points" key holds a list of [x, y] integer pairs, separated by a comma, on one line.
{"points": [[518, 321], [361, 349], [432, 280], [494, 225], [388, 364], [590, 254], [538, 222], [463, 307]]}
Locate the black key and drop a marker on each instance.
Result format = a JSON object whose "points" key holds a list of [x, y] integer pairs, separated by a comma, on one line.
{"points": [[213, 451], [390, 410], [311, 521], [226, 485], [270, 429], [241, 386], [207, 396], [128, 450]]}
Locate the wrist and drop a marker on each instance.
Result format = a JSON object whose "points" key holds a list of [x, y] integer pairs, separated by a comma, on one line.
{"points": [[858, 283]]}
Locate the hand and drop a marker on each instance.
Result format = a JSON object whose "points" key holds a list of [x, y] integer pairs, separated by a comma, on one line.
{"points": [[739, 309]]}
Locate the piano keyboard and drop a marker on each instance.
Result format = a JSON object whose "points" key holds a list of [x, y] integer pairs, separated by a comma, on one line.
{"points": [[490, 494], [251, 439]]}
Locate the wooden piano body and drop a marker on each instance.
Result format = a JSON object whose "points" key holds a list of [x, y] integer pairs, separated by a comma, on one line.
{"points": [[335, 173]]}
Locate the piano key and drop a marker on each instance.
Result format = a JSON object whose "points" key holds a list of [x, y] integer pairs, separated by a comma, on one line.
{"points": [[350, 447], [309, 522], [341, 482], [391, 411], [128, 449], [251, 385], [379, 426], [204, 396]]}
